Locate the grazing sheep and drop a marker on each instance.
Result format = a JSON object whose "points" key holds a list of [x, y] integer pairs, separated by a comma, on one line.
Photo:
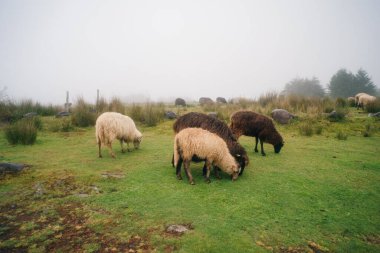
{"points": [[200, 143], [205, 101], [180, 101], [351, 101], [282, 116], [357, 96], [112, 125], [365, 99], [216, 126], [256, 125]]}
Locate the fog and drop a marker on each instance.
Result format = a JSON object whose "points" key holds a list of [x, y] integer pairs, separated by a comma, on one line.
{"points": [[160, 50]]}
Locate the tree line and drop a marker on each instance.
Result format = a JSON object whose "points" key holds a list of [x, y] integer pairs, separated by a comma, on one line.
{"points": [[342, 84]]}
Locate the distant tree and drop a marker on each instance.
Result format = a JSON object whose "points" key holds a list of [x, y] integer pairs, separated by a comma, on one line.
{"points": [[345, 84], [304, 87]]}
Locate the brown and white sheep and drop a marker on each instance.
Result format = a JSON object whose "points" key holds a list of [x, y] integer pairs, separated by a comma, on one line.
{"points": [[112, 125], [200, 143], [216, 126], [256, 125], [365, 99]]}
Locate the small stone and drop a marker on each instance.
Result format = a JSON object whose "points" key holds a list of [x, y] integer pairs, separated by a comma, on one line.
{"points": [[176, 229]]}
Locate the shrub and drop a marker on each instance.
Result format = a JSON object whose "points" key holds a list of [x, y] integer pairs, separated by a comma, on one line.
{"points": [[22, 131], [340, 135], [373, 107], [82, 115], [306, 129], [318, 129], [268, 98], [135, 111], [340, 102], [153, 113], [117, 106], [61, 125], [368, 130], [37, 122], [339, 115], [101, 105]]}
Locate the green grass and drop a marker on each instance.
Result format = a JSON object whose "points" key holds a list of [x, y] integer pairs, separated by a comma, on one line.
{"points": [[317, 189]]}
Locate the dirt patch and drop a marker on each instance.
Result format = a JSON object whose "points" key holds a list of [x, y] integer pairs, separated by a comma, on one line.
{"points": [[63, 228], [372, 239]]}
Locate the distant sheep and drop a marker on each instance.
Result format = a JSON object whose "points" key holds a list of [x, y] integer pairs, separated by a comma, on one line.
{"points": [[112, 125], [180, 101], [195, 119], [364, 100], [357, 96], [351, 101], [200, 143], [256, 125]]}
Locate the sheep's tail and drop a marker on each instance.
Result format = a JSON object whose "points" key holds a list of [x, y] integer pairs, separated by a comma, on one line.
{"points": [[99, 134], [176, 154]]}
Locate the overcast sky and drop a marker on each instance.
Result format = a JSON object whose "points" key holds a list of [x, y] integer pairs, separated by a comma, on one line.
{"points": [[167, 49]]}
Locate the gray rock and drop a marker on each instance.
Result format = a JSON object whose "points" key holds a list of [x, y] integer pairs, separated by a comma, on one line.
{"points": [[180, 101], [205, 101], [30, 114], [12, 168], [282, 116], [377, 114], [170, 115], [221, 100], [177, 229], [62, 114]]}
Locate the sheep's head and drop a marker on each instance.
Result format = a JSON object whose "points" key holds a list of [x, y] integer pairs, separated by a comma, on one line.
{"points": [[278, 147], [137, 141], [235, 169]]}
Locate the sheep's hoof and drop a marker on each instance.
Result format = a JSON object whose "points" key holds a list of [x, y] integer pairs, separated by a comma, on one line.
{"points": [[129, 150], [100, 156], [263, 154], [122, 151], [179, 177], [192, 183], [208, 180], [113, 156]]}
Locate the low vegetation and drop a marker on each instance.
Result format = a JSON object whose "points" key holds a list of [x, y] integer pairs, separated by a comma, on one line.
{"points": [[320, 194]]}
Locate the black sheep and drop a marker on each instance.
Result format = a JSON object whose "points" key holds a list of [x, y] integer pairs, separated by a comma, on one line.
{"points": [[256, 125]]}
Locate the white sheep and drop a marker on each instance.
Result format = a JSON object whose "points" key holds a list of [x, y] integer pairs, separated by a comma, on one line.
{"points": [[365, 99], [357, 96], [201, 144], [112, 125]]}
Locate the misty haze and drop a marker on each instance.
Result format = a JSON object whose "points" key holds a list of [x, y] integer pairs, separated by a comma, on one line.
{"points": [[178, 126]]}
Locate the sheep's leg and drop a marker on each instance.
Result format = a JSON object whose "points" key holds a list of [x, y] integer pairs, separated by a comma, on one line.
{"points": [[100, 149], [129, 150], [216, 172], [262, 147], [257, 140], [122, 147], [208, 165], [110, 149], [204, 170], [186, 165], [178, 168]]}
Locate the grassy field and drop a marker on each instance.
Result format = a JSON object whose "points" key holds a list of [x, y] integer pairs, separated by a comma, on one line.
{"points": [[320, 194]]}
